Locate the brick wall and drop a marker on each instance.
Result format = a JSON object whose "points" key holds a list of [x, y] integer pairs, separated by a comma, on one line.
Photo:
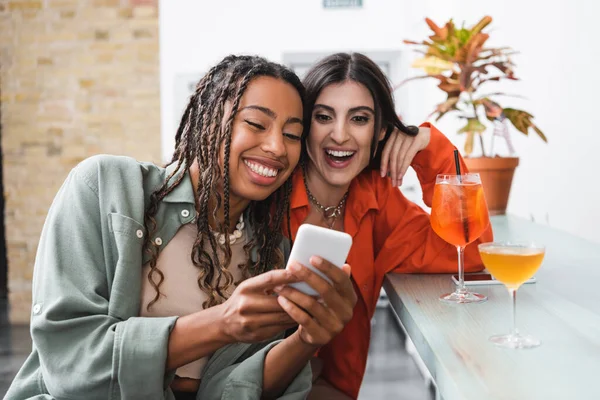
{"points": [[78, 77]]}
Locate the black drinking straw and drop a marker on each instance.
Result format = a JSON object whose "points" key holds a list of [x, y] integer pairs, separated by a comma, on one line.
{"points": [[457, 164], [464, 212]]}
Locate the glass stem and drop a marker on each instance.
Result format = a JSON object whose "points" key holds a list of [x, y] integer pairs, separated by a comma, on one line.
{"points": [[461, 270], [513, 295]]}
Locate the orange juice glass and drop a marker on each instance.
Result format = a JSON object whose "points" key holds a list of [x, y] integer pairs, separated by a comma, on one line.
{"points": [[459, 215], [512, 264]]}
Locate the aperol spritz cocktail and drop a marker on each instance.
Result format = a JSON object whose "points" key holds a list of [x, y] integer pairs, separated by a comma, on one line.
{"points": [[459, 215], [512, 264]]}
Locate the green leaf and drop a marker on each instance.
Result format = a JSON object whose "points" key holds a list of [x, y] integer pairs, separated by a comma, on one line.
{"points": [[416, 43], [439, 116], [485, 21], [522, 121], [500, 94], [447, 105], [469, 143], [473, 126], [540, 133], [413, 79]]}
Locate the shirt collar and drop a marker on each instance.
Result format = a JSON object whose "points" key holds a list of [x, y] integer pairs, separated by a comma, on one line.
{"points": [[362, 195], [182, 193]]}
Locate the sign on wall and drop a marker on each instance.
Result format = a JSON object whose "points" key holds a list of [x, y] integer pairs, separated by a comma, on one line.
{"points": [[342, 3]]}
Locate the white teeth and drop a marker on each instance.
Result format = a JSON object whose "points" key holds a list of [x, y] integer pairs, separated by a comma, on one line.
{"points": [[261, 169], [338, 153]]}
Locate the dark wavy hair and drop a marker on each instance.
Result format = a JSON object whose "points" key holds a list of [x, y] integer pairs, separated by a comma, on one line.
{"points": [[201, 133], [341, 67]]}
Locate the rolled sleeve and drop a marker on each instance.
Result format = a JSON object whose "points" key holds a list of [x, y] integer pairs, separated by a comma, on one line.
{"points": [[244, 380], [85, 350], [139, 344]]}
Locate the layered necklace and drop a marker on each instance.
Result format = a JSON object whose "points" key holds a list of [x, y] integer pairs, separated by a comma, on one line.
{"points": [[330, 214]]}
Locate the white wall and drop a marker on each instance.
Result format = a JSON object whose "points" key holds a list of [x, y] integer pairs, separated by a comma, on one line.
{"points": [[554, 184], [194, 35]]}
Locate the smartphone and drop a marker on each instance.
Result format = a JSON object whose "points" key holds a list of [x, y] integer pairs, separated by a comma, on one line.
{"points": [[483, 279], [328, 244]]}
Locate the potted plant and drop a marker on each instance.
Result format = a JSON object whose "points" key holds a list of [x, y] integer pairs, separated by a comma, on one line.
{"points": [[458, 60]]}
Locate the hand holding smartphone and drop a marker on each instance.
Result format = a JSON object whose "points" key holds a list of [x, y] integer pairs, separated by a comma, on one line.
{"points": [[328, 244]]}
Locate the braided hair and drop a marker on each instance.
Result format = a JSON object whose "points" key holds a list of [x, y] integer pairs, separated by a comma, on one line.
{"points": [[201, 133]]}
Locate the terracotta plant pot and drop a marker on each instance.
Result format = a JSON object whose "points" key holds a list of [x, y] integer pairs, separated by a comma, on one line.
{"points": [[496, 177]]}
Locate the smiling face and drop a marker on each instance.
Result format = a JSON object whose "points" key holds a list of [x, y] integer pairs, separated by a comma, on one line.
{"points": [[341, 132], [265, 140]]}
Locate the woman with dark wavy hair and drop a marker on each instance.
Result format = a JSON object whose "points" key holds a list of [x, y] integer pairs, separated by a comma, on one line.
{"points": [[355, 137], [158, 283]]}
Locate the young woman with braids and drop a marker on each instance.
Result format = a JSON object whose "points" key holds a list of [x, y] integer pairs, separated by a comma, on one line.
{"points": [[157, 283], [355, 138]]}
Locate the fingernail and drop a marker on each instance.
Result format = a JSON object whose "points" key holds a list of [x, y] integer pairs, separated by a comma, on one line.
{"points": [[316, 261], [383, 173], [295, 267], [282, 299], [278, 289]]}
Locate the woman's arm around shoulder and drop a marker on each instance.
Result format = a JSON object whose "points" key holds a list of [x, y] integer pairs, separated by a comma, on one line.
{"points": [[403, 237]]}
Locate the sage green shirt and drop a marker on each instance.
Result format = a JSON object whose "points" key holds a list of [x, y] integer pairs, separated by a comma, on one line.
{"points": [[88, 340]]}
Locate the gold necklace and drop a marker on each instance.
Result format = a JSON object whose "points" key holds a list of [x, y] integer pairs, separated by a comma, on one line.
{"points": [[329, 213]]}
